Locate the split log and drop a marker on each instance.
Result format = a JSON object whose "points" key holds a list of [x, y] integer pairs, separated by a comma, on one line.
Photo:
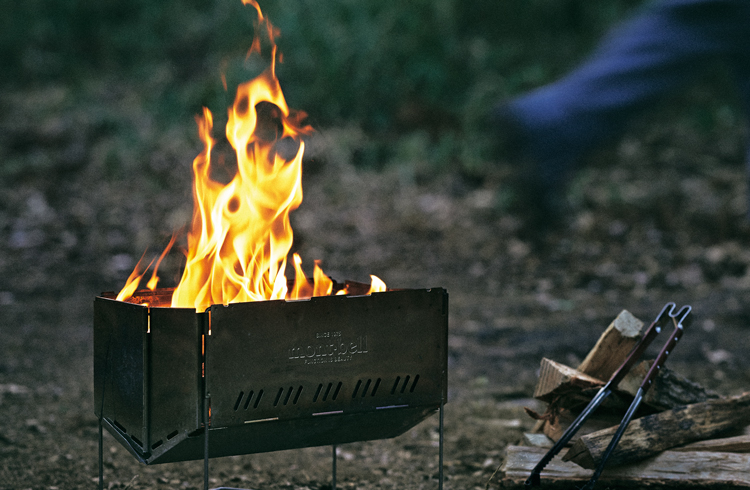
{"points": [[670, 468], [613, 346], [611, 349], [669, 389], [652, 434], [556, 380], [570, 388], [560, 420], [566, 389], [736, 444], [537, 440]]}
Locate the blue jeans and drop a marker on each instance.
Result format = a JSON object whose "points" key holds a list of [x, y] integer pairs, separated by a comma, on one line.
{"points": [[661, 49]]}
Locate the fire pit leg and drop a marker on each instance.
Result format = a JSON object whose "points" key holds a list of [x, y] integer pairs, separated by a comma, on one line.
{"points": [[440, 450], [206, 406], [333, 473], [205, 443], [101, 456]]}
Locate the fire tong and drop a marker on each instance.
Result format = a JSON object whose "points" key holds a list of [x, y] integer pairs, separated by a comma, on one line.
{"points": [[667, 314]]}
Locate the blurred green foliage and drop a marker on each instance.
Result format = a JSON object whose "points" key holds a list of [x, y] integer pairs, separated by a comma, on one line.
{"points": [[390, 66]]}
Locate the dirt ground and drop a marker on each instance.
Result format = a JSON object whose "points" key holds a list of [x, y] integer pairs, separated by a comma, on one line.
{"points": [[659, 217]]}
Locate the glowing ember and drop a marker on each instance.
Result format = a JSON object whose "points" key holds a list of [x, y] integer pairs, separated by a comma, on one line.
{"points": [[240, 234]]}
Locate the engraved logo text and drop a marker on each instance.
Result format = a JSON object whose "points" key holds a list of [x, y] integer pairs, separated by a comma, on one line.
{"points": [[329, 347]]}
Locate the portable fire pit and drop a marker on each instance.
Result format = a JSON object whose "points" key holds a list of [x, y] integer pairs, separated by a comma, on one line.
{"points": [[267, 375]]}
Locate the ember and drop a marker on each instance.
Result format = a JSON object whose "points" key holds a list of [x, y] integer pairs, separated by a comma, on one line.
{"points": [[240, 234]]}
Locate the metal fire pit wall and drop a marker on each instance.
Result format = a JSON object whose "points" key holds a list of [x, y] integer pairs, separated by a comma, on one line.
{"points": [[279, 374]]}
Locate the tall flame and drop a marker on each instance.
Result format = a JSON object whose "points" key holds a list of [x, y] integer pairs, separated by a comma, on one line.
{"points": [[240, 233]]}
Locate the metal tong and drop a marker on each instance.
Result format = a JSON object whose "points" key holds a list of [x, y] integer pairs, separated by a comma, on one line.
{"points": [[667, 314]]}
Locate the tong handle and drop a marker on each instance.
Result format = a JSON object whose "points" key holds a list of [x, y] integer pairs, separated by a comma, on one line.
{"points": [[653, 330], [679, 329]]}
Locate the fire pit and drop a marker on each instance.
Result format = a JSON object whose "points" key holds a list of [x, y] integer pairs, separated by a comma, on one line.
{"points": [[268, 375], [236, 359]]}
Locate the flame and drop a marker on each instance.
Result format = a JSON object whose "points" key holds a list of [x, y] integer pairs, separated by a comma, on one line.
{"points": [[132, 283], [302, 287], [240, 234], [376, 285], [154, 278]]}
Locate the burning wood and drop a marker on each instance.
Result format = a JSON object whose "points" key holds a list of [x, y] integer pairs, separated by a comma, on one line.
{"points": [[675, 412]]}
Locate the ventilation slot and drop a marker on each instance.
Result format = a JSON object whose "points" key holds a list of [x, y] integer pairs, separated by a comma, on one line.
{"points": [[296, 396], [249, 399], [135, 440], [366, 388], [119, 426], [257, 400], [288, 395], [239, 400], [356, 389], [317, 392], [328, 391], [278, 396], [336, 393], [157, 444], [375, 388], [395, 385], [406, 382], [400, 385], [414, 384], [171, 435]]}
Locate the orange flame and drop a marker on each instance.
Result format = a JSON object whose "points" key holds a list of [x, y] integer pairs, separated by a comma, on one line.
{"points": [[154, 278], [240, 235], [135, 277], [376, 285]]}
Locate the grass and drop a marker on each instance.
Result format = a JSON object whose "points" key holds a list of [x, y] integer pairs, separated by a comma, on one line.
{"points": [[416, 76]]}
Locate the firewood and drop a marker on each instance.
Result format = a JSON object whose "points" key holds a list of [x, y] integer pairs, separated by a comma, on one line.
{"points": [[669, 389], [613, 346], [676, 469], [556, 425], [568, 388], [556, 380], [649, 435], [736, 444], [537, 440]]}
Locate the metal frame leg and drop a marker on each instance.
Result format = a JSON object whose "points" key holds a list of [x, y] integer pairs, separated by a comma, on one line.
{"points": [[333, 468], [205, 443], [206, 406], [101, 456], [440, 450]]}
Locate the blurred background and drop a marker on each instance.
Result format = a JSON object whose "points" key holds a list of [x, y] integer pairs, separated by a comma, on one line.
{"points": [[98, 98]]}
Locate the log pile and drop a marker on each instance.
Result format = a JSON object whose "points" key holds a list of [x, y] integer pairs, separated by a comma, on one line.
{"points": [[683, 434]]}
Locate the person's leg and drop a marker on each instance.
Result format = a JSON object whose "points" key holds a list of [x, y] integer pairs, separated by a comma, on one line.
{"points": [[660, 49]]}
